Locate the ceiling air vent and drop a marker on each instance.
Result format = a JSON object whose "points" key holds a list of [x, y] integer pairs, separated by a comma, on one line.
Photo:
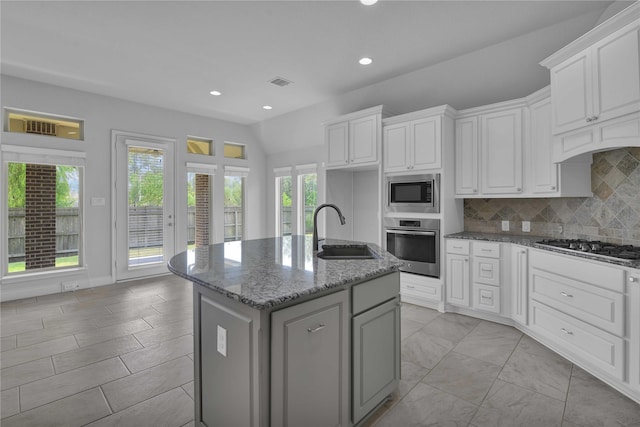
{"points": [[41, 128], [279, 81]]}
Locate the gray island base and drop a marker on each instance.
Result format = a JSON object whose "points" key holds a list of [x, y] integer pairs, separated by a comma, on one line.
{"points": [[285, 338]]}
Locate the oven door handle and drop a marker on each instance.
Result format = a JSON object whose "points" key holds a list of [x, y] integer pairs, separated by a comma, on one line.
{"points": [[420, 233]]}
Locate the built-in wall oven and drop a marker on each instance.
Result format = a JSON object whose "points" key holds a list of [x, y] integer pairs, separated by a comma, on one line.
{"points": [[416, 241], [413, 193]]}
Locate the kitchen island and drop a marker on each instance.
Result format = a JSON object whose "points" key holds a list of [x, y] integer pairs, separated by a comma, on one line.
{"points": [[285, 337]]}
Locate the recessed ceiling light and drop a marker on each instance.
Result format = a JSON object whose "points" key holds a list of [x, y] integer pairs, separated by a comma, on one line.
{"points": [[215, 93], [368, 2], [365, 61], [267, 107]]}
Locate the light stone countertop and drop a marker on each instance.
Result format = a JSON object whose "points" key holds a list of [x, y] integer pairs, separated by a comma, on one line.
{"points": [[265, 273], [532, 241]]}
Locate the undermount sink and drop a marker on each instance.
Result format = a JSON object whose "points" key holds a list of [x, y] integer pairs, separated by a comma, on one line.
{"points": [[347, 252]]}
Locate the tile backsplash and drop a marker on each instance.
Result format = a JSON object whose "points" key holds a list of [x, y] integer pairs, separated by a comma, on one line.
{"points": [[611, 215]]}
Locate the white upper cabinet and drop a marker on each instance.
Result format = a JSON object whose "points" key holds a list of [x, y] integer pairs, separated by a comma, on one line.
{"points": [[542, 171], [467, 156], [354, 139], [599, 83], [413, 144], [501, 145], [595, 88]]}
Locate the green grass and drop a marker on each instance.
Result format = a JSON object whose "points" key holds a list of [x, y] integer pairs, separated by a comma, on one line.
{"points": [[68, 261]]}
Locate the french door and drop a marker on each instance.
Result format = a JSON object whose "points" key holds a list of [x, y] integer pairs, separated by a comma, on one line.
{"points": [[144, 205]]}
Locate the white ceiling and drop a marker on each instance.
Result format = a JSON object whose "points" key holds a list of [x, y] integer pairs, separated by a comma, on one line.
{"points": [[172, 53]]}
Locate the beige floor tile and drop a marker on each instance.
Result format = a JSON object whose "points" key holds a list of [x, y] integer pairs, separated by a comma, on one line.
{"points": [[428, 406], [464, 377], [172, 330], [47, 334], [173, 408], [189, 388], [37, 351], [29, 314], [451, 327], [110, 332], [149, 383], [182, 306], [418, 314], [26, 373], [490, 342], [94, 353], [17, 326], [410, 375], [66, 384], [72, 411], [409, 327], [508, 405], [8, 343], [170, 317], [134, 304], [425, 350], [151, 356], [592, 403], [535, 367], [9, 403]]}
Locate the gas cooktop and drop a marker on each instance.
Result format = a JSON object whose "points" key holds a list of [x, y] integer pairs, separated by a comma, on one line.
{"points": [[606, 250]]}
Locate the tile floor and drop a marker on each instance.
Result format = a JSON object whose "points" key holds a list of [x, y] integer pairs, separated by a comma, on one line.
{"points": [[123, 355]]}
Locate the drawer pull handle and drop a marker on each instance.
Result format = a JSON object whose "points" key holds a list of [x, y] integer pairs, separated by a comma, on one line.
{"points": [[317, 328], [484, 297], [486, 268], [411, 287], [564, 294], [486, 250], [566, 332], [457, 247]]}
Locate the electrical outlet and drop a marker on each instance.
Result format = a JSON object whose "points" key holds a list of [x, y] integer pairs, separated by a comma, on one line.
{"points": [[505, 225], [222, 341], [526, 226], [70, 286]]}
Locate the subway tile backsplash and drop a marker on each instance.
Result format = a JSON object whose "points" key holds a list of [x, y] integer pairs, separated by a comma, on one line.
{"points": [[611, 215]]}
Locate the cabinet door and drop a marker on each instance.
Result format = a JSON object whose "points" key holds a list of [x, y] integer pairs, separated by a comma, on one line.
{"points": [[457, 280], [396, 147], [616, 71], [363, 140], [486, 297], [337, 136], [426, 143], [309, 363], [376, 356], [519, 279], [541, 169], [571, 93], [467, 156], [501, 145], [634, 331]]}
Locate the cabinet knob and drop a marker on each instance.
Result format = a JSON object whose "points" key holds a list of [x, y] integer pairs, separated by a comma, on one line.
{"points": [[518, 189], [594, 118], [633, 279], [475, 190], [553, 187], [589, 119]]}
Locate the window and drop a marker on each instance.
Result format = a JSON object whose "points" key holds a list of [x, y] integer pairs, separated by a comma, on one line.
{"points": [[234, 151], [44, 216], [234, 202], [22, 121], [200, 146], [308, 197], [284, 197]]}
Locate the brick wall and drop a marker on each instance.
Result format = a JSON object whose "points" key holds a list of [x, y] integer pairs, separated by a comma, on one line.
{"points": [[40, 219], [202, 210]]}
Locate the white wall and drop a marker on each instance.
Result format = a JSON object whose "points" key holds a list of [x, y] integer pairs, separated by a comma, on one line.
{"points": [[504, 71], [102, 115]]}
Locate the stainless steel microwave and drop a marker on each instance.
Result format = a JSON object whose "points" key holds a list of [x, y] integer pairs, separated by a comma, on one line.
{"points": [[413, 193]]}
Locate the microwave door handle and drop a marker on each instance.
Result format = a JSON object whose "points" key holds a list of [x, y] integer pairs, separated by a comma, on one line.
{"points": [[420, 233]]}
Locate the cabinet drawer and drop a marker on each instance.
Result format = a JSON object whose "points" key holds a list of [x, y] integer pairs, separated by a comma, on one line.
{"points": [[600, 307], [458, 246], [588, 343], [486, 249], [420, 286], [369, 294], [486, 298], [586, 271], [486, 270]]}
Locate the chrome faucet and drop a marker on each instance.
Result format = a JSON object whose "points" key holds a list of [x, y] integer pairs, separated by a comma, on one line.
{"points": [[315, 222]]}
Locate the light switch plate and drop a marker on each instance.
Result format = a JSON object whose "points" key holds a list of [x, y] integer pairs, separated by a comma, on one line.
{"points": [[526, 226], [505, 225], [222, 341]]}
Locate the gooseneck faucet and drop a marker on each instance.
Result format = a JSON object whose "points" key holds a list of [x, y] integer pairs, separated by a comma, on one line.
{"points": [[315, 222]]}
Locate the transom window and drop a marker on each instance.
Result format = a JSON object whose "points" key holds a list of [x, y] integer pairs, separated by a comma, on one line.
{"points": [[22, 121]]}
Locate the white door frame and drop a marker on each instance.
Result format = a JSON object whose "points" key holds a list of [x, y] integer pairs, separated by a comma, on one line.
{"points": [[119, 186]]}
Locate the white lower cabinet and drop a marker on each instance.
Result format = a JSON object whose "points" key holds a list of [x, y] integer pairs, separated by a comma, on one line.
{"points": [[519, 284], [421, 290], [457, 273], [486, 276], [633, 284], [486, 297]]}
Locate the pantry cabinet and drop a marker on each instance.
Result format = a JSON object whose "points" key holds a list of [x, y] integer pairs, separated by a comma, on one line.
{"points": [[354, 139]]}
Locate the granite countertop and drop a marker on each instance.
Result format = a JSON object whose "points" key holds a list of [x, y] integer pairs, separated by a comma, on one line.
{"points": [[532, 241], [264, 273]]}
